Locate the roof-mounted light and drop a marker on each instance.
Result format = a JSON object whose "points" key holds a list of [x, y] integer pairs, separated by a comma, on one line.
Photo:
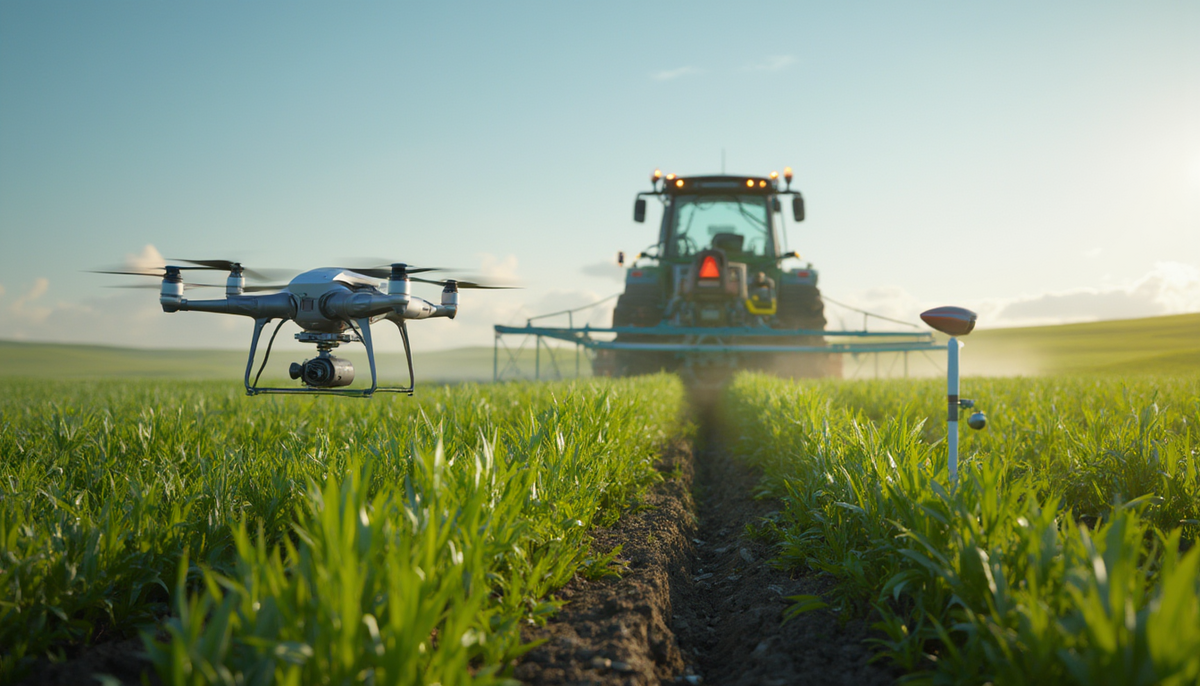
{"points": [[787, 176], [774, 176], [679, 183], [749, 183], [656, 176], [670, 177]]}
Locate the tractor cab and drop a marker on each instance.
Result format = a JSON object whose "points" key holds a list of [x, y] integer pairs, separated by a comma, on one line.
{"points": [[739, 225], [718, 253], [716, 265]]}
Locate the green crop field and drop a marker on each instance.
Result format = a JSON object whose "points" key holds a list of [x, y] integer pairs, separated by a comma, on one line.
{"points": [[1066, 554], [307, 540], [298, 540]]}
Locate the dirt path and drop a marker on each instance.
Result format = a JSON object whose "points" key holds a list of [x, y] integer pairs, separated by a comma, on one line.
{"points": [[729, 615], [618, 631], [699, 602]]}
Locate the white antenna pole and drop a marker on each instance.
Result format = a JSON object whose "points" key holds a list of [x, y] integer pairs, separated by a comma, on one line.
{"points": [[952, 401], [954, 322]]}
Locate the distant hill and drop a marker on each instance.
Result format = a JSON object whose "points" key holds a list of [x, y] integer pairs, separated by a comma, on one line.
{"points": [[63, 361], [1155, 345]]}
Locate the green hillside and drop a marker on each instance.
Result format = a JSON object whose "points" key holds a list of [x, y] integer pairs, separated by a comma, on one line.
{"points": [[64, 361], [1155, 345]]}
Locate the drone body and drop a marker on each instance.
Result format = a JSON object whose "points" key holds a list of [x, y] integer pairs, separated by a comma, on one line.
{"points": [[331, 306]]}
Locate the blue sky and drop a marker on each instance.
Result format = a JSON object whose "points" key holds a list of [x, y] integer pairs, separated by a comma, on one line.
{"points": [[1039, 162]]}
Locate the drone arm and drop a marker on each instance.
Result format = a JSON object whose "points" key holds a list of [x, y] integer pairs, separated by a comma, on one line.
{"points": [[273, 306], [419, 308]]}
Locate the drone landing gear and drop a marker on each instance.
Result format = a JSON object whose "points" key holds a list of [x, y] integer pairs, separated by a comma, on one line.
{"points": [[321, 374]]}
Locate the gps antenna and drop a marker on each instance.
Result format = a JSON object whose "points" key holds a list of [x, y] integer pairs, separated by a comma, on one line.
{"points": [[954, 322]]}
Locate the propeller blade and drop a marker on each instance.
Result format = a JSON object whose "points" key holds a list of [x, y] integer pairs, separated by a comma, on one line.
{"points": [[156, 272], [246, 289], [466, 284], [383, 271], [229, 265], [223, 265], [155, 287], [127, 272]]}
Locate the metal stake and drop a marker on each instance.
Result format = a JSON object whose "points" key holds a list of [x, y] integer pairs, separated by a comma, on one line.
{"points": [[952, 401]]}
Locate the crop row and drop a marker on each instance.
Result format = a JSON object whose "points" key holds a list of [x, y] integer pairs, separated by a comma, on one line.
{"points": [[1066, 554], [298, 540]]}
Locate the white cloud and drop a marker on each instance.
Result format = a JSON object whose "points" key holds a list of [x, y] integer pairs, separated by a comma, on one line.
{"points": [[774, 63], [25, 307], [1169, 288], [498, 270], [889, 301], [669, 74], [128, 318], [604, 270], [148, 259], [1093, 252]]}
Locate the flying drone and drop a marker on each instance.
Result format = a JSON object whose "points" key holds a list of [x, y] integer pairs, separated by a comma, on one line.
{"points": [[331, 305]]}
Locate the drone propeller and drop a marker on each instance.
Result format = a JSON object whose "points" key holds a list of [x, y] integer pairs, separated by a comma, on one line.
{"points": [[385, 271], [465, 284], [231, 266], [258, 288], [156, 272], [155, 287]]}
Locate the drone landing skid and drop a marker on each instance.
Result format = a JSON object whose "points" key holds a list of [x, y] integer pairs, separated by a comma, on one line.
{"points": [[362, 327]]}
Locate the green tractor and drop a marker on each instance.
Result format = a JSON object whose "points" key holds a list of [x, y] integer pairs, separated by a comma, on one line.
{"points": [[712, 296]]}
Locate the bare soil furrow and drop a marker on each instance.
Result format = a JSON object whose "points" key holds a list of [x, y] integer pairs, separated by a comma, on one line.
{"points": [[617, 631], [700, 601], [728, 613]]}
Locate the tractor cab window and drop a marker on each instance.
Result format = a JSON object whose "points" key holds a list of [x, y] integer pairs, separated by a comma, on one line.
{"points": [[738, 224]]}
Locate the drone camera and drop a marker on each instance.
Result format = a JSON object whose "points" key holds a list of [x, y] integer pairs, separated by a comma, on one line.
{"points": [[325, 371]]}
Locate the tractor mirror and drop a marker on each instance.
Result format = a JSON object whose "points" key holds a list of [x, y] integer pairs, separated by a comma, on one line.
{"points": [[639, 210], [798, 207]]}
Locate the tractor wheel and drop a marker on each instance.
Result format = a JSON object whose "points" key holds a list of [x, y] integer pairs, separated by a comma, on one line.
{"points": [[801, 307], [639, 305]]}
